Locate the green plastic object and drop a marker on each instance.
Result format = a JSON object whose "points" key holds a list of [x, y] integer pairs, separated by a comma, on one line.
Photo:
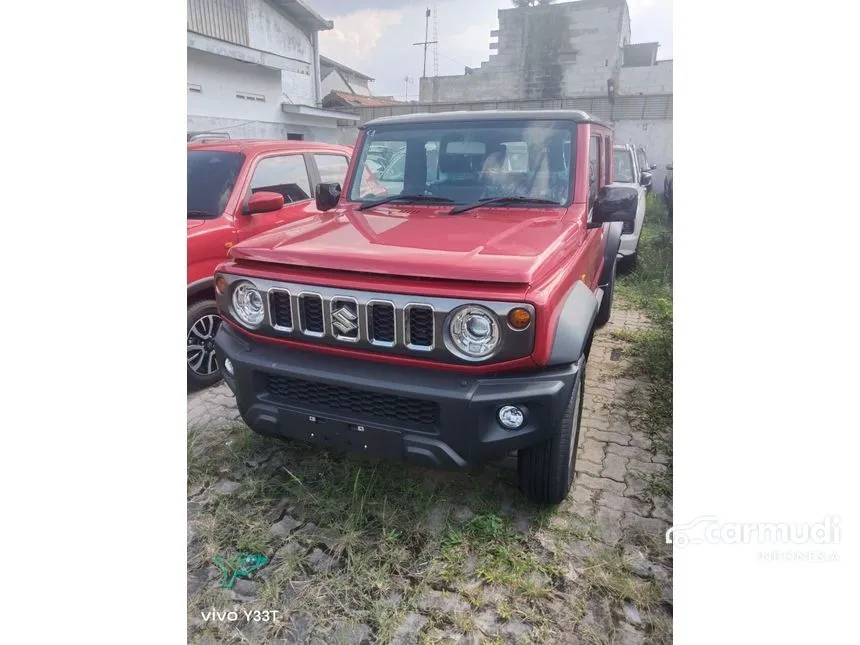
{"points": [[241, 565]]}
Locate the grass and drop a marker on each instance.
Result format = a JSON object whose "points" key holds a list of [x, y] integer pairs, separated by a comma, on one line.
{"points": [[649, 288]]}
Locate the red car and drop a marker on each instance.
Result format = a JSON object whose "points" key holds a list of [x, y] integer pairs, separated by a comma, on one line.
{"points": [[238, 189], [444, 315]]}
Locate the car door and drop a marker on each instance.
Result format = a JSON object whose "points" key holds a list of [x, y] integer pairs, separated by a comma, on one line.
{"points": [[638, 169], [286, 174]]}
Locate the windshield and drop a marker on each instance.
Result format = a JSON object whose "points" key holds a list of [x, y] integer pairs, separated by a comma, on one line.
{"points": [[211, 177], [624, 166], [469, 161]]}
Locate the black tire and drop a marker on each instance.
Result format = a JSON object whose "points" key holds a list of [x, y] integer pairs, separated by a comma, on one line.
{"points": [[201, 364], [627, 264], [605, 310], [546, 470]]}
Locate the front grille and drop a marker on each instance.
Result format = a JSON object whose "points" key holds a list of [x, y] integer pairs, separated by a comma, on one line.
{"points": [[384, 407], [282, 311], [312, 313], [382, 322], [628, 227], [420, 326]]}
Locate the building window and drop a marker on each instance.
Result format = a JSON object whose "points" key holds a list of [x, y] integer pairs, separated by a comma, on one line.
{"points": [[248, 96], [195, 89]]}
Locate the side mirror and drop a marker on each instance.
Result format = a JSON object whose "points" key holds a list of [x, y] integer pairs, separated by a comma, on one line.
{"points": [[668, 166], [653, 166], [263, 202], [645, 179], [615, 204], [327, 196]]}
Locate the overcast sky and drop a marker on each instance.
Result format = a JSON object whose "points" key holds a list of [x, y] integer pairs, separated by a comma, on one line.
{"points": [[375, 36]]}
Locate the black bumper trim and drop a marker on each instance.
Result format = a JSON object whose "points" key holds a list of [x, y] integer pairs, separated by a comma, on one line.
{"points": [[467, 432]]}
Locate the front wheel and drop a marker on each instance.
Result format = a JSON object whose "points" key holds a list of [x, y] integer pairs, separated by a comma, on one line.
{"points": [[203, 323], [546, 469]]}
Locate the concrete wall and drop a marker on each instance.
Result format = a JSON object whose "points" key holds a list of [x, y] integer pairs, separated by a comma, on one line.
{"points": [[646, 80], [334, 82], [567, 49], [220, 78], [653, 135]]}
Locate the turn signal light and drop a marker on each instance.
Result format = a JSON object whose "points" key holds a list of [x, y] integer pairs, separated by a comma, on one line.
{"points": [[519, 318], [220, 285]]}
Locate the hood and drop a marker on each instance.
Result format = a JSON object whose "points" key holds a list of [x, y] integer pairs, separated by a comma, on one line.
{"points": [[507, 245]]}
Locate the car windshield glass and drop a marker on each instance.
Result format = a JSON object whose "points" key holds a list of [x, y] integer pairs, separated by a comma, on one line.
{"points": [[468, 161], [623, 167], [211, 177]]}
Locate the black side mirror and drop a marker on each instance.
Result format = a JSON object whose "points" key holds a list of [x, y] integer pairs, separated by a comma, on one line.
{"points": [[668, 166], [645, 179], [327, 196], [615, 204]]}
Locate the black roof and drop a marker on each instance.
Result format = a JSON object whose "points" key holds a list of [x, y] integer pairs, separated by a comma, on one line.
{"points": [[577, 116]]}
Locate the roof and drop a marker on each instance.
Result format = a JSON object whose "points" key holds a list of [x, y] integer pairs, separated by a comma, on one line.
{"points": [[577, 116], [359, 100], [302, 14], [266, 145], [325, 60]]}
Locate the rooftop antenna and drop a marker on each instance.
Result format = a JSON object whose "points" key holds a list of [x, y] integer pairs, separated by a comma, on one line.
{"points": [[436, 40], [426, 39], [406, 80]]}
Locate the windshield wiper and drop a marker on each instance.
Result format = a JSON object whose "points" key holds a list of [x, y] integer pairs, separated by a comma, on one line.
{"points": [[511, 199], [412, 198], [199, 215]]}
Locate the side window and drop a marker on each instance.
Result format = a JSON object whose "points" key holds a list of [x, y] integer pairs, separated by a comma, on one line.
{"points": [[593, 170], [332, 168], [286, 175], [643, 160], [607, 160]]}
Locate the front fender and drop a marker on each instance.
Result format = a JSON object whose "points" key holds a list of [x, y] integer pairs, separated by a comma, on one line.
{"points": [[574, 325]]}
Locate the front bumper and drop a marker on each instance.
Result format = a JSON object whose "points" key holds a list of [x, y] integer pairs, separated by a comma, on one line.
{"points": [[432, 418]]}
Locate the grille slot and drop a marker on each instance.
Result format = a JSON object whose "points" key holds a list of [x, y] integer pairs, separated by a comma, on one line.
{"points": [[281, 310], [381, 322], [419, 326], [312, 313], [385, 407]]}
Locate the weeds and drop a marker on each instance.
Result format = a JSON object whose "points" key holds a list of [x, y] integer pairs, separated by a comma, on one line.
{"points": [[649, 287]]}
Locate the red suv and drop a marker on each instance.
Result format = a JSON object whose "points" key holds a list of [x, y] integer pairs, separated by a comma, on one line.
{"points": [[238, 189], [442, 315]]}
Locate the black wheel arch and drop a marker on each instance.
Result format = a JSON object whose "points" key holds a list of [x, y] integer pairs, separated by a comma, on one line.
{"points": [[575, 325]]}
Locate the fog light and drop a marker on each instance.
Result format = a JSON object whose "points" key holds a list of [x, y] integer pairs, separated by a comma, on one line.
{"points": [[228, 367], [511, 417]]}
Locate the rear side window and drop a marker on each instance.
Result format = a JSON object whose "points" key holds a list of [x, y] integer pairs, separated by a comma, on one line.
{"points": [[287, 175], [332, 168], [593, 169]]}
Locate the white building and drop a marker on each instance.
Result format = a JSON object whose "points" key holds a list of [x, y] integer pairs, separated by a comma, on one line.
{"points": [[337, 77], [254, 71]]}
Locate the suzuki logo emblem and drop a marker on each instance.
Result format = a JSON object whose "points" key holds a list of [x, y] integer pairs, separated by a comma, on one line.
{"points": [[344, 320]]}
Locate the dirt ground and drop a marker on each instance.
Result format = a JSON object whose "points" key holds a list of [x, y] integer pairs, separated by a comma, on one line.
{"points": [[372, 552]]}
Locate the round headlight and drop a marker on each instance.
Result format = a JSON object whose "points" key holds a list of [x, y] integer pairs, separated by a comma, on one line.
{"points": [[474, 332], [248, 304]]}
